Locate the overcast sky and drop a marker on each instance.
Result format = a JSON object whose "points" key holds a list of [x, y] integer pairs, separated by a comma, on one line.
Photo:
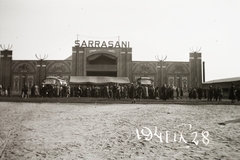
{"points": [[153, 27]]}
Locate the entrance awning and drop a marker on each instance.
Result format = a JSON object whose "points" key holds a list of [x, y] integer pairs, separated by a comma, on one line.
{"points": [[98, 80]]}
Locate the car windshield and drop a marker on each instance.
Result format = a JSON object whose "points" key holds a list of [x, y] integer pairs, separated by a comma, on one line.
{"points": [[50, 81]]}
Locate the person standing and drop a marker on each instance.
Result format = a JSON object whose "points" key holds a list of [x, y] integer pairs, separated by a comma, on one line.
{"points": [[36, 90], [43, 90], [79, 91], [177, 91], [64, 91], [156, 93], [114, 90], [111, 91], [107, 91], [200, 93], [232, 93], [210, 93], [118, 92], [5, 91], [181, 93], [55, 90], [238, 94], [61, 91], [140, 91], [68, 91], [205, 93], [88, 91], [190, 93], [33, 91], [164, 92], [220, 93], [125, 92], [25, 92], [194, 93], [0, 90], [216, 94], [9, 91], [132, 93]]}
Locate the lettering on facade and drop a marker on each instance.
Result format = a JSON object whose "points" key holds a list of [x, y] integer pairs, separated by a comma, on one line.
{"points": [[103, 44]]}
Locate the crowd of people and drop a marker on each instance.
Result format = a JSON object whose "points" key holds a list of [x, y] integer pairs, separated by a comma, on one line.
{"points": [[46, 91], [115, 91], [209, 94], [124, 91]]}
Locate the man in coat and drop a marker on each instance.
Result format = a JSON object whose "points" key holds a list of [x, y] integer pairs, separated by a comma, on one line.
{"points": [[232, 93]]}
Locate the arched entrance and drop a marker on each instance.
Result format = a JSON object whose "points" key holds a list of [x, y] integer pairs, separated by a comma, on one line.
{"points": [[101, 64], [24, 73], [178, 75]]}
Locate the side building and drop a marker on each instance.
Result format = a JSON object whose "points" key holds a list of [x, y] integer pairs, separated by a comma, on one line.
{"points": [[100, 60], [224, 84]]}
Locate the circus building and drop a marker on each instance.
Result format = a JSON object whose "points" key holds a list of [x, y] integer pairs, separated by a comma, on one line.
{"points": [[91, 59]]}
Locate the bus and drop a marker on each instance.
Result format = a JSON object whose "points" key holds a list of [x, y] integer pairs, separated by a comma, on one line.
{"points": [[54, 81], [51, 86]]}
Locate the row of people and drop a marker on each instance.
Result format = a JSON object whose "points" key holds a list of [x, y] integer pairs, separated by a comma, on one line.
{"points": [[132, 91], [46, 91], [164, 92], [115, 91], [216, 94], [209, 94]]}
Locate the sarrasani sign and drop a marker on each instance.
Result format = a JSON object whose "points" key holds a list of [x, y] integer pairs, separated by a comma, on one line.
{"points": [[103, 44]]}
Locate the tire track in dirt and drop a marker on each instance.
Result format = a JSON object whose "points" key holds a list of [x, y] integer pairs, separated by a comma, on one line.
{"points": [[12, 119]]}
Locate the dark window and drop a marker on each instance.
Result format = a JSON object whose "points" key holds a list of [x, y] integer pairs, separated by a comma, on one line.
{"points": [[99, 73]]}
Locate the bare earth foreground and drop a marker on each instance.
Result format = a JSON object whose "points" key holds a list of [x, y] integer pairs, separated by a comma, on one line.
{"points": [[109, 131]]}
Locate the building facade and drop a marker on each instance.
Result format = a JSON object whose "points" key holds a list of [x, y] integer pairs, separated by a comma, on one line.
{"points": [[95, 59]]}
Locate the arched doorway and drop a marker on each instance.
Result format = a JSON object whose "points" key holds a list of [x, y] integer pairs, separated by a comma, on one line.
{"points": [[101, 65], [24, 73], [178, 75]]}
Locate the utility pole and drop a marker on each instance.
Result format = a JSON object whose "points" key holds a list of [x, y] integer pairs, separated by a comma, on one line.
{"points": [[161, 67], [203, 71], [41, 66]]}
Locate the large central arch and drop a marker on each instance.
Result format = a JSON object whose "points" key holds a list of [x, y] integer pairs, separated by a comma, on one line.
{"points": [[102, 59], [101, 64]]}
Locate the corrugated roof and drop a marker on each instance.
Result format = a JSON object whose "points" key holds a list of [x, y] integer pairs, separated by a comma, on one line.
{"points": [[98, 80], [234, 79]]}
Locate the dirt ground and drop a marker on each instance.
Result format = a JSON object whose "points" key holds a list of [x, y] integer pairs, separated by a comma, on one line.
{"points": [[109, 131]]}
